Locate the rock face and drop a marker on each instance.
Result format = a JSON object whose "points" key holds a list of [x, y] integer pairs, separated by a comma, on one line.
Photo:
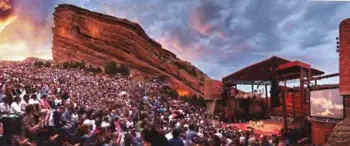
{"points": [[344, 57], [82, 35], [340, 134]]}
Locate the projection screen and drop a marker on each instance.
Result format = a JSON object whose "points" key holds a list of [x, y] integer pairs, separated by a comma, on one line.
{"points": [[327, 104]]}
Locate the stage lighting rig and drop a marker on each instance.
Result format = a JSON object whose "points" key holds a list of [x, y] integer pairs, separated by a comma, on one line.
{"points": [[337, 38]]}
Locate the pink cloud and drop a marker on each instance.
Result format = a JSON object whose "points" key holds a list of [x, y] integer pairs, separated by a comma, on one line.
{"points": [[185, 52], [198, 24]]}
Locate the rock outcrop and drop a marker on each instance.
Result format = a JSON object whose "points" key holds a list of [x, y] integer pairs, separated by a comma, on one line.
{"points": [[83, 35], [340, 134]]}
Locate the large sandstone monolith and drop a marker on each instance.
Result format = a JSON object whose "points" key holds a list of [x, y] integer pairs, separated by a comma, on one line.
{"points": [[83, 35]]}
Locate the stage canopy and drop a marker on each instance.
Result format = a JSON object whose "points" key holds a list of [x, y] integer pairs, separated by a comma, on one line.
{"points": [[261, 72]]}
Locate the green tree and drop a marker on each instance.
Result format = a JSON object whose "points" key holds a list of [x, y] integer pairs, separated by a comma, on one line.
{"points": [[111, 68], [201, 101], [123, 69], [66, 65], [173, 94], [194, 100], [82, 65], [38, 63], [76, 64], [166, 89], [185, 98]]}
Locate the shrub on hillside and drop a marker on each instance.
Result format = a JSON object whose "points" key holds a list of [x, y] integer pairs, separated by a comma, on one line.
{"points": [[173, 94], [38, 63], [77, 64], [97, 70], [66, 65], [201, 102], [123, 69], [111, 68], [47, 64]]}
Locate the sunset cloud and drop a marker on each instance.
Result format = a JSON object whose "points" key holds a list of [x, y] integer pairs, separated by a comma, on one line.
{"points": [[7, 15], [219, 37]]}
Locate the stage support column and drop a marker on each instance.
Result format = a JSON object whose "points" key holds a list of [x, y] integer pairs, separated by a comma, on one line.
{"points": [[302, 91], [235, 103], [293, 100], [285, 122], [267, 101]]}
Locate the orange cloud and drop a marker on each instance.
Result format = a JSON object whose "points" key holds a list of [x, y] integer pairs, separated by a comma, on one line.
{"points": [[5, 5], [6, 22], [6, 14], [23, 38], [182, 51]]}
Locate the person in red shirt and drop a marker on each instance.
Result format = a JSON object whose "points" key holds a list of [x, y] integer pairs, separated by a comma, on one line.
{"points": [[44, 103]]}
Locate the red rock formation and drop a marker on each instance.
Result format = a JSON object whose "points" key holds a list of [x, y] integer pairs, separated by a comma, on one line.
{"points": [[213, 88], [82, 35], [344, 57]]}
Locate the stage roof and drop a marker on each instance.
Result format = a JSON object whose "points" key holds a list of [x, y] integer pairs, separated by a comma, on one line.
{"points": [[260, 72]]}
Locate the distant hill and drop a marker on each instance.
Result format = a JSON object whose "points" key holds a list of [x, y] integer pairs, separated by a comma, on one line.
{"points": [[83, 35]]}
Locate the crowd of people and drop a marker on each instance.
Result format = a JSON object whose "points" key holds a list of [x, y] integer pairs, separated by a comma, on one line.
{"points": [[49, 106]]}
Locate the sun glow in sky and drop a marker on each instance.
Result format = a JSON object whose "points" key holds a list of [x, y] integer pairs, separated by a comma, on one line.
{"points": [[6, 22]]}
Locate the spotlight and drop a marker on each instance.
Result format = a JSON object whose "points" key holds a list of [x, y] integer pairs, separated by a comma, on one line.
{"points": [[337, 48]]}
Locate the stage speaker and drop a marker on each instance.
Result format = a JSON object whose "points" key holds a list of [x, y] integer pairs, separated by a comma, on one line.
{"points": [[344, 57]]}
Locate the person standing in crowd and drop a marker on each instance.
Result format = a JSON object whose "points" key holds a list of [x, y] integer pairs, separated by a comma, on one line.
{"points": [[190, 133], [83, 133], [176, 140]]}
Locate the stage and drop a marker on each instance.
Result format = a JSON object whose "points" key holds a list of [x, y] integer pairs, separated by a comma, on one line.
{"points": [[266, 127]]}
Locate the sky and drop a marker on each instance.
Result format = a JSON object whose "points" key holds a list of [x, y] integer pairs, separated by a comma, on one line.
{"points": [[217, 36]]}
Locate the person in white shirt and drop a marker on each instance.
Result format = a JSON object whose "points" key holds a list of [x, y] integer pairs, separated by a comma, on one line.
{"points": [[24, 103], [169, 135], [129, 123], [23, 92], [58, 101], [75, 116], [15, 106], [34, 100], [4, 106], [105, 122]]}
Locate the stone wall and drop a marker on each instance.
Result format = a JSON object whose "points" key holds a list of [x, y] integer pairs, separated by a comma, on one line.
{"points": [[82, 35]]}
